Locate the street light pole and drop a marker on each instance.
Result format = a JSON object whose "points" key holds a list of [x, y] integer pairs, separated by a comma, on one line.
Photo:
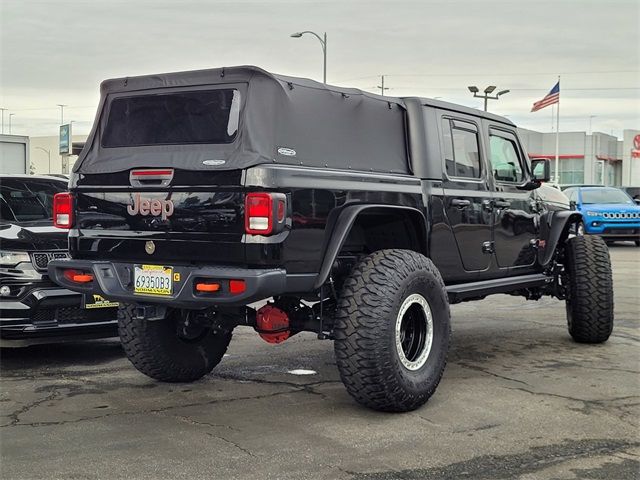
{"points": [[381, 86], [48, 152], [2, 110], [487, 94], [591, 117], [323, 42], [10, 115], [61, 113]]}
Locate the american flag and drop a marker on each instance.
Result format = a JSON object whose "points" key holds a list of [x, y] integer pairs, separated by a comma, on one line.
{"points": [[552, 97]]}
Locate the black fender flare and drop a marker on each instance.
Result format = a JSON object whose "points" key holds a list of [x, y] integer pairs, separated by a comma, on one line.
{"points": [[554, 229], [342, 226]]}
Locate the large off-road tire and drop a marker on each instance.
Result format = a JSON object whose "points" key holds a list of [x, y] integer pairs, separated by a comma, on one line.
{"points": [[157, 349], [392, 329], [589, 289]]}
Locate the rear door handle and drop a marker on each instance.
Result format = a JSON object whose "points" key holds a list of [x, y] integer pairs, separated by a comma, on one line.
{"points": [[460, 203], [502, 203]]}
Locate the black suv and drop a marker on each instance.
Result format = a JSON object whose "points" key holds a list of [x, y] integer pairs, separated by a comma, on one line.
{"points": [[363, 217], [32, 308]]}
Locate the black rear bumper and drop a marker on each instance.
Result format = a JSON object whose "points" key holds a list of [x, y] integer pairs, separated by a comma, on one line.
{"points": [[114, 280]]}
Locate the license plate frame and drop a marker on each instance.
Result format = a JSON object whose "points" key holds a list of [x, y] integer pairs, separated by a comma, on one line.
{"points": [[156, 280]]}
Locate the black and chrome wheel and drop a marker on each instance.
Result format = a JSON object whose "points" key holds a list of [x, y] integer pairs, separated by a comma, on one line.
{"points": [[414, 332]]}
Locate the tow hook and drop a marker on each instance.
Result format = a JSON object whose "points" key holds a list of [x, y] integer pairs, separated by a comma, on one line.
{"points": [[149, 312]]}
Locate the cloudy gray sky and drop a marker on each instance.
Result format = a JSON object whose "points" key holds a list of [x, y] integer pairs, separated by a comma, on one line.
{"points": [[57, 51]]}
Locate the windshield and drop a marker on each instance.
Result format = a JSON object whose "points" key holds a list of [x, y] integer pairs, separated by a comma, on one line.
{"points": [[28, 200], [604, 195], [191, 117]]}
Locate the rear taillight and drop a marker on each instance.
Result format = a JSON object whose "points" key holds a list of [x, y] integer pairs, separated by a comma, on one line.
{"points": [[264, 213], [63, 210]]}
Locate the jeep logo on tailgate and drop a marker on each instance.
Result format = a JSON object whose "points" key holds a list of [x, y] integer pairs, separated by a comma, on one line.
{"points": [[147, 206]]}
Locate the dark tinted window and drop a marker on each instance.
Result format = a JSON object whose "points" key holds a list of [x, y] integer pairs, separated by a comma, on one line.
{"points": [[461, 152], [202, 116], [28, 200]]}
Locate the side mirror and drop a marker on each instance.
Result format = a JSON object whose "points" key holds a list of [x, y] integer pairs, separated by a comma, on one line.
{"points": [[637, 200], [541, 168], [541, 173], [572, 205]]}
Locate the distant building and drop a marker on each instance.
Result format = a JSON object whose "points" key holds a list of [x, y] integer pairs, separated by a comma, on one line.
{"points": [[14, 154], [597, 159], [45, 151]]}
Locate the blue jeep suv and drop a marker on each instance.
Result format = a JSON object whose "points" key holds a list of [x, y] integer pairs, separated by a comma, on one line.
{"points": [[606, 211]]}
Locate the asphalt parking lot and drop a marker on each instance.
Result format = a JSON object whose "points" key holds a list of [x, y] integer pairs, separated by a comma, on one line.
{"points": [[518, 400]]}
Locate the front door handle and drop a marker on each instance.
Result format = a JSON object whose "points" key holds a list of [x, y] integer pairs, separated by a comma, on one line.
{"points": [[502, 203], [460, 203]]}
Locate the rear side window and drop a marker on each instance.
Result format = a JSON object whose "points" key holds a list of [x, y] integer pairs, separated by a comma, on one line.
{"points": [[461, 151], [193, 117], [28, 200]]}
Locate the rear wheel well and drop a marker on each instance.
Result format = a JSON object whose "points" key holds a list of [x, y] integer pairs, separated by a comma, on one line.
{"points": [[378, 228]]}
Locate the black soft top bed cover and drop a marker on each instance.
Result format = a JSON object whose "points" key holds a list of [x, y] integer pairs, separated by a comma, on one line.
{"points": [[283, 120]]}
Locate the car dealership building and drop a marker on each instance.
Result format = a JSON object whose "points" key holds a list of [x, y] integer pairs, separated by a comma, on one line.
{"points": [[596, 159]]}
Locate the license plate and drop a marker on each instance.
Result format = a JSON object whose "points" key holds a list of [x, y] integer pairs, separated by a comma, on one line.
{"points": [[98, 301], [153, 279]]}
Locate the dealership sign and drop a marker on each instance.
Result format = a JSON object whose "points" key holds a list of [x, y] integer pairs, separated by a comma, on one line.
{"points": [[635, 151], [65, 139]]}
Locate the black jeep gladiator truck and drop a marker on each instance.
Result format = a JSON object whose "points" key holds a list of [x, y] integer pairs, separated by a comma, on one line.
{"points": [[360, 217]]}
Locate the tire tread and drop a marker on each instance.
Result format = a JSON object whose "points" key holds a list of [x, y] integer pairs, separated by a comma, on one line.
{"points": [[366, 310], [590, 297]]}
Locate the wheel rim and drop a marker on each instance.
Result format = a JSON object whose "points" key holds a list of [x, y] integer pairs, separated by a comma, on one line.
{"points": [[414, 332], [580, 230]]}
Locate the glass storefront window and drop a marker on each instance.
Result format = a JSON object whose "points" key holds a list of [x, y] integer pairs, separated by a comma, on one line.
{"points": [[571, 171]]}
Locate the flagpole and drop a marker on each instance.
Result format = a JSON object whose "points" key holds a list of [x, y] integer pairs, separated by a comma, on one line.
{"points": [[557, 178]]}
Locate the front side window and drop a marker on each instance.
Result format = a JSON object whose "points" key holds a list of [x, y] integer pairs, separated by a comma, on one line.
{"points": [[505, 161], [29, 200], [461, 151], [191, 117]]}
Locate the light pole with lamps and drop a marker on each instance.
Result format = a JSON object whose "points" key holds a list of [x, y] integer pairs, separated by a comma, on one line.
{"points": [[48, 152], [487, 94], [323, 42]]}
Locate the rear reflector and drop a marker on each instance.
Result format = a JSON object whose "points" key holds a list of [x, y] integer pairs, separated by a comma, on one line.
{"points": [[237, 286], [281, 211], [63, 210], [207, 287], [77, 276]]}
